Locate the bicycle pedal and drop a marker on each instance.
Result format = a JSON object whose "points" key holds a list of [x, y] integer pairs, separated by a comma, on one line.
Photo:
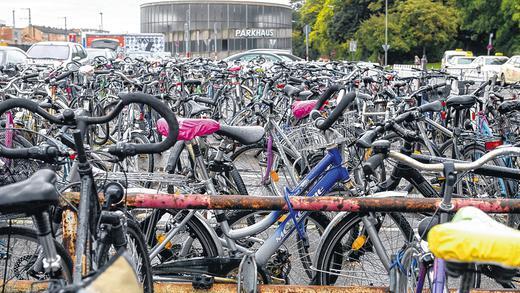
{"points": [[202, 282]]}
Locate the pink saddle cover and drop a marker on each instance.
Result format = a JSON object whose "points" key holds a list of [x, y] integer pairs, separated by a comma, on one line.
{"points": [[302, 109], [190, 128], [234, 68]]}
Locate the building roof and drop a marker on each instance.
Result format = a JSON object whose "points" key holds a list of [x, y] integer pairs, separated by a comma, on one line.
{"points": [[284, 3], [51, 30]]}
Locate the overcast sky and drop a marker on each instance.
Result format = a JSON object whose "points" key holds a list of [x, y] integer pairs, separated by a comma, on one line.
{"points": [[119, 16]]}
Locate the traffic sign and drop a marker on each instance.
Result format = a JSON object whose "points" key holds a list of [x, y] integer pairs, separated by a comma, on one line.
{"points": [[386, 47], [307, 29], [352, 46]]}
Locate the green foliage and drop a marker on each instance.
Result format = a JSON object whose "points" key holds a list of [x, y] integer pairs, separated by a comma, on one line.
{"points": [[413, 26], [374, 27], [426, 23]]}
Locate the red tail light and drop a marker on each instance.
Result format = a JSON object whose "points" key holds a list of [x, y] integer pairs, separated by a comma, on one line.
{"points": [[280, 86], [491, 145], [443, 115], [141, 116], [72, 156]]}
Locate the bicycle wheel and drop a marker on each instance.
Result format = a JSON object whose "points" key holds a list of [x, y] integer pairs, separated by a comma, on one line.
{"points": [[293, 261], [24, 261], [192, 240], [347, 256], [137, 248]]}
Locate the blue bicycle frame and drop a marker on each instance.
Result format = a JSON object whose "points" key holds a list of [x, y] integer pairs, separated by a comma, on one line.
{"points": [[318, 182]]}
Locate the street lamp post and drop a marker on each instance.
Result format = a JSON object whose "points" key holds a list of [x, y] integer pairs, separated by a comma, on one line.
{"points": [[101, 21], [66, 33], [385, 47], [31, 29]]}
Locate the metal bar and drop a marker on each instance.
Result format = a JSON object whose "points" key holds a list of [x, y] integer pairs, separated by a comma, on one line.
{"points": [[69, 223], [324, 203], [25, 286]]}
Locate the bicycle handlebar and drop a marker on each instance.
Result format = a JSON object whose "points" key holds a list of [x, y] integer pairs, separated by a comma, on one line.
{"points": [[121, 149], [460, 167]]}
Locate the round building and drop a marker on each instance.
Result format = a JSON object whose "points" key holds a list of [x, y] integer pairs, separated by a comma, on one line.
{"points": [[219, 28]]}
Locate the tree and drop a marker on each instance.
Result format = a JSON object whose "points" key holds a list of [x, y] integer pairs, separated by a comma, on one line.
{"points": [[427, 23], [482, 17], [371, 36]]}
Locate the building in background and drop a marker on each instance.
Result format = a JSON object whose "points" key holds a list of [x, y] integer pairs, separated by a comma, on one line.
{"points": [[219, 27]]}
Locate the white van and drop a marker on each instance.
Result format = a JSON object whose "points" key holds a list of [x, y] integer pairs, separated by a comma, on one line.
{"points": [[448, 56]]}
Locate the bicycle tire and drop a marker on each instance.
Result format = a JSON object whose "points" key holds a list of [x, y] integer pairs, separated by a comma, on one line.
{"points": [[305, 256], [32, 236], [138, 250], [331, 253]]}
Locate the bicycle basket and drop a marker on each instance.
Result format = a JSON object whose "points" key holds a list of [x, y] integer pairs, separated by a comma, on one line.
{"points": [[306, 137]]}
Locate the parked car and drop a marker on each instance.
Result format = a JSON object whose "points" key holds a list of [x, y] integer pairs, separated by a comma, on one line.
{"points": [[450, 54], [12, 55], [107, 53], [489, 65], [56, 53], [269, 55], [461, 62], [510, 71]]}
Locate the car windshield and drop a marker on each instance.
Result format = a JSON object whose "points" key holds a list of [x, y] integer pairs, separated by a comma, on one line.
{"points": [[58, 52], [463, 61], [450, 58], [495, 61]]}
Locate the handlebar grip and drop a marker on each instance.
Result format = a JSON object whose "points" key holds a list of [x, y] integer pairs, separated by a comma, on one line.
{"points": [[102, 72], [326, 95], [337, 112], [32, 75], [130, 149], [43, 153], [403, 132], [63, 75], [370, 166], [366, 140]]}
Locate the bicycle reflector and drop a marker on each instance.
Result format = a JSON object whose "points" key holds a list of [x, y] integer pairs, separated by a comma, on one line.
{"points": [[493, 144]]}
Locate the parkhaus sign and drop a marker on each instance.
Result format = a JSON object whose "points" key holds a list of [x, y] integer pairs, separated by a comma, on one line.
{"points": [[254, 33]]}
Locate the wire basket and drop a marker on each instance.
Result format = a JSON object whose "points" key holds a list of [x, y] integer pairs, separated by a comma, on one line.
{"points": [[509, 126], [306, 137]]}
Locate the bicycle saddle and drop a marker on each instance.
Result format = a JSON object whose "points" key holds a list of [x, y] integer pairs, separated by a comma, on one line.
{"points": [[509, 106], [292, 90], [461, 102], [244, 134], [191, 128], [36, 193], [302, 109], [196, 108], [474, 237]]}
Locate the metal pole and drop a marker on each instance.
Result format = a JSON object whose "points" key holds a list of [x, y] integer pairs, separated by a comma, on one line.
{"points": [[14, 20], [386, 32], [101, 23], [307, 44], [66, 34], [303, 203], [215, 31]]}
